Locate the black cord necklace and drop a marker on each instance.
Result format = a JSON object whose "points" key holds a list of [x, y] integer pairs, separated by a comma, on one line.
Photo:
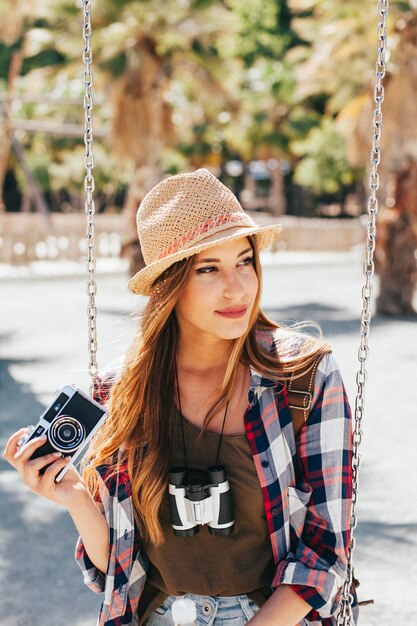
{"points": [[182, 422]]}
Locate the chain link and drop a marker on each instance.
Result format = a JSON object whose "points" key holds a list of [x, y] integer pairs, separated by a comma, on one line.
{"points": [[345, 616], [89, 186]]}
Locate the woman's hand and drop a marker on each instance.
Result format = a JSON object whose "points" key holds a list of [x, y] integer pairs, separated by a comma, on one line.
{"points": [[284, 608], [68, 492]]}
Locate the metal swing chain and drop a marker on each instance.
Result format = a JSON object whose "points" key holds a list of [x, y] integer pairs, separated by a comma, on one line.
{"points": [[89, 186], [345, 617]]}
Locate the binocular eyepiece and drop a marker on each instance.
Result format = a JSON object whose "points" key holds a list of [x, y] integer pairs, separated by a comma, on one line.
{"points": [[197, 497]]}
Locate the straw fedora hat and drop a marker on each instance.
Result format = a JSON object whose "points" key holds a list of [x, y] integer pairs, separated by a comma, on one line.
{"points": [[185, 214]]}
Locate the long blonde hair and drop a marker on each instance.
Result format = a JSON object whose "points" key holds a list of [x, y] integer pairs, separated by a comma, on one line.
{"points": [[141, 404]]}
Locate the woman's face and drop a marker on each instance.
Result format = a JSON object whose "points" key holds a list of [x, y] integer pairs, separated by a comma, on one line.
{"points": [[220, 292]]}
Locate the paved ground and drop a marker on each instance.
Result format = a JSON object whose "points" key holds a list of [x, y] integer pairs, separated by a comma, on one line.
{"points": [[43, 345]]}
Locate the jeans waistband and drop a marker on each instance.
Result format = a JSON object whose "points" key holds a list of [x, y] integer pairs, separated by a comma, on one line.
{"points": [[211, 610]]}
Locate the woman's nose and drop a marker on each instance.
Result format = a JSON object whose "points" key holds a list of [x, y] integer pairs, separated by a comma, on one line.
{"points": [[233, 286]]}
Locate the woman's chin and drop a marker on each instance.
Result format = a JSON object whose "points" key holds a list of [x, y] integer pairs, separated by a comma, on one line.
{"points": [[234, 331]]}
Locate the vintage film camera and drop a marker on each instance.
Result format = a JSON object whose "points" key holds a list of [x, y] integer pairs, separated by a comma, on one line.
{"points": [[69, 423], [197, 497]]}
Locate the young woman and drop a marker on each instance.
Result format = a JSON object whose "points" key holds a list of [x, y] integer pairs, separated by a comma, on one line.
{"points": [[205, 384]]}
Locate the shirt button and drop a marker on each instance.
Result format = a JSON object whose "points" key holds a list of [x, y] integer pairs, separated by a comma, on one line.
{"points": [[274, 512], [265, 463], [207, 608]]}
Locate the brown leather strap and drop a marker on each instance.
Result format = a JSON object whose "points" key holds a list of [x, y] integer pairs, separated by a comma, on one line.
{"points": [[300, 395]]}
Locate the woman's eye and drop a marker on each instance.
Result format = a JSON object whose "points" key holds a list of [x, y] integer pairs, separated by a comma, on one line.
{"points": [[211, 268], [205, 270], [247, 261]]}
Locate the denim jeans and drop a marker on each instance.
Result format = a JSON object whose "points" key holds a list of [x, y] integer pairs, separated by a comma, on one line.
{"points": [[211, 610]]}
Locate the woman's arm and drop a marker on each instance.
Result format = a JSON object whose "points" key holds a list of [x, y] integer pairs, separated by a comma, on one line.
{"points": [[316, 567], [71, 493], [284, 608], [93, 530]]}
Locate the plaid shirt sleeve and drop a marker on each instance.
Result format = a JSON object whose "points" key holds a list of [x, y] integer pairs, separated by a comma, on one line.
{"points": [[316, 568], [93, 578]]}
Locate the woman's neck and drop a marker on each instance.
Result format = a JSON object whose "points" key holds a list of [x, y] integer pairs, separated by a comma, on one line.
{"points": [[204, 357]]}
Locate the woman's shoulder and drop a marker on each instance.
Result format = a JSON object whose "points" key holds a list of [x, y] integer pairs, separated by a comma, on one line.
{"points": [[289, 342], [105, 379], [113, 471], [307, 356], [102, 385], [269, 338]]}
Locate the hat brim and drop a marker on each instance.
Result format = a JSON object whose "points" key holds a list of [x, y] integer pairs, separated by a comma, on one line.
{"points": [[141, 283]]}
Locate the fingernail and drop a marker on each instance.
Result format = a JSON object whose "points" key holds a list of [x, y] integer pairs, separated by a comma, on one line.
{"points": [[58, 455]]}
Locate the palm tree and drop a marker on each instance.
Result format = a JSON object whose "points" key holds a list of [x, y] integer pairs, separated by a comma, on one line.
{"points": [[150, 58], [397, 220], [153, 54], [339, 68], [397, 248]]}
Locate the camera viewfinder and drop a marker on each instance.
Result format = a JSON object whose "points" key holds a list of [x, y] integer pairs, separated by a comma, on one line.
{"points": [[56, 407]]}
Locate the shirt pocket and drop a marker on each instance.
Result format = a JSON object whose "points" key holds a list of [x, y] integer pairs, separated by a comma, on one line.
{"points": [[298, 499]]}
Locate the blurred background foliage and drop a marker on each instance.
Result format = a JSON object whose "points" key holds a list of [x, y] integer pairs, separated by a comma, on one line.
{"points": [[186, 83]]}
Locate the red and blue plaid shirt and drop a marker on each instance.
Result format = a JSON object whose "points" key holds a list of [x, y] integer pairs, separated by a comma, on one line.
{"points": [[306, 484]]}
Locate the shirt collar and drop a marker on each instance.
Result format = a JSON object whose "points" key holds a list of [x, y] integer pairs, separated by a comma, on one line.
{"points": [[257, 380]]}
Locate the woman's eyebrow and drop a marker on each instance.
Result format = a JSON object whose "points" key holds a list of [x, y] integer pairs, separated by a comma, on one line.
{"points": [[218, 260]]}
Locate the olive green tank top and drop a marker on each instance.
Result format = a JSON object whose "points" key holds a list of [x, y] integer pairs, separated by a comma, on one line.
{"points": [[203, 564]]}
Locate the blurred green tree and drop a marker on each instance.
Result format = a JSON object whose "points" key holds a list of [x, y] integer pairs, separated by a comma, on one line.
{"points": [[339, 68]]}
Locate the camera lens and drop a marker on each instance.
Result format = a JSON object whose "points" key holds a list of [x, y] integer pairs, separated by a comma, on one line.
{"points": [[66, 433]]}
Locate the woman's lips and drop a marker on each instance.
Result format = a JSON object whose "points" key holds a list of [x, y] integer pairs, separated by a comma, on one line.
{"points": [[233, 313]]}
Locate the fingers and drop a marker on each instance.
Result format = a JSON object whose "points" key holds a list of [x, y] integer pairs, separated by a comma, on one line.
{"points": [[25, 452], [40, 462], [19, 458], [48, 479], [72, 475], [43, 484], [11, 446]]}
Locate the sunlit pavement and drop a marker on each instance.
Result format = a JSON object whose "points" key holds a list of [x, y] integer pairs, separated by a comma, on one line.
{"points": [[44, 345]]}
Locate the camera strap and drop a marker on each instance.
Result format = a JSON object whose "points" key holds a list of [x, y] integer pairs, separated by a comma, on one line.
{"points": [[182, 423]]}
